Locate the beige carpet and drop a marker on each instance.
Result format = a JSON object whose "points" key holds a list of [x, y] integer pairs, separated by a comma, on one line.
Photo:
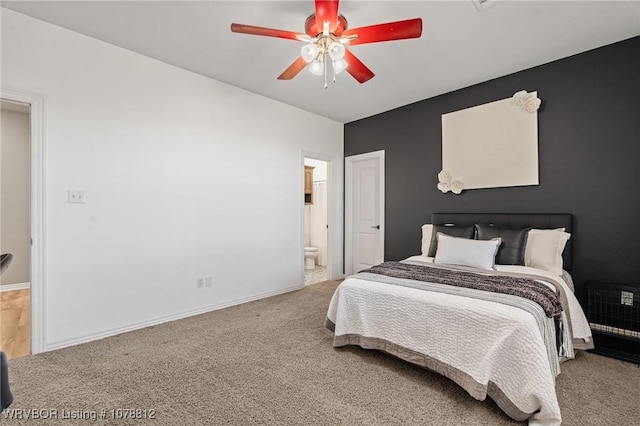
{"points": [[272, 362]]}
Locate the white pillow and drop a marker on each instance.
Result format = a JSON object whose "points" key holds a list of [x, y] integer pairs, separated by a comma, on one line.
{"points": [[544, 249], [463, 251], [427, 230]]}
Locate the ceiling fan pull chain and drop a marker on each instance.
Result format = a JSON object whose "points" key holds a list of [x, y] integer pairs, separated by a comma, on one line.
{"points": [[334, 71], [325, 71]]}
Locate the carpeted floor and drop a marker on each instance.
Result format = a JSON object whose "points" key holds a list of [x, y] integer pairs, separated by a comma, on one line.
{"points": [[272, 362]]}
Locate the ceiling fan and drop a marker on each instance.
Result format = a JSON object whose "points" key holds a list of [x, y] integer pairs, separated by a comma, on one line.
{"points": [[326, 39]]}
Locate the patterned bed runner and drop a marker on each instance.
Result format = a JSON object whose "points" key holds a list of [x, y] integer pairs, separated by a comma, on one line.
{"points": [[526, 288]]}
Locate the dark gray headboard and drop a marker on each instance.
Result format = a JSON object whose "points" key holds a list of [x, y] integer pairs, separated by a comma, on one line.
{"points": [[515, 220]]}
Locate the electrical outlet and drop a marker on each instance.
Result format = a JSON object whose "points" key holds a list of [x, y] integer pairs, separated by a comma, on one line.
{"points": [[202, 282], [75, 197], [626, 298]]}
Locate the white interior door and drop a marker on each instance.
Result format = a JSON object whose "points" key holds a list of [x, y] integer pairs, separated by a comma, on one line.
{"points": [[364, 197]]}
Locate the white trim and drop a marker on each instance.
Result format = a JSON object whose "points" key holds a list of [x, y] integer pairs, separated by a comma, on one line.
{"points": [[16, 286], [63, 343], [38, 116], [348, 204], [333, 236]]}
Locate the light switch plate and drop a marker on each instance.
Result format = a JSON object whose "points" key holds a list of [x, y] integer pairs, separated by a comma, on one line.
{"points": [[75, 197]]}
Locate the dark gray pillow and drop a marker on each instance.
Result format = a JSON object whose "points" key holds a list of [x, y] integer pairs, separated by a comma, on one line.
{"points": [[454, 231], [514, 241]]}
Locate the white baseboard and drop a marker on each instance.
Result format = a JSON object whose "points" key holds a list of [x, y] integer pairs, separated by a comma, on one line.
{"points": [[59, 344], [16, 286]]}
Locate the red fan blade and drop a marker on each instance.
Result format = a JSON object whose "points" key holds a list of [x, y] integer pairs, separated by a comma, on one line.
{"points": [[356, 68], [293, 70], [262, 31], [327, 10], [411, 28]]}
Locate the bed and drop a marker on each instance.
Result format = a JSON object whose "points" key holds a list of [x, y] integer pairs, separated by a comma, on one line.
{"points": [[489, 305]]}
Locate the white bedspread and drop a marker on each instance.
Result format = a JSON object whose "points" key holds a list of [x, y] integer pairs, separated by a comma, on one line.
{"points": [[486, 347]]}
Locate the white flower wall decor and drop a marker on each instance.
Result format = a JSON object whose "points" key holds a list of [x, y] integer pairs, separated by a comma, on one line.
{"points": [[446, 183], [527, 101], [444, 176], [456, 187]]}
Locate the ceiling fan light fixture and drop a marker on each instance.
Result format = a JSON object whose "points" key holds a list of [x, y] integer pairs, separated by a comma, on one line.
{"points": [[339, 66], [316, 68], [336, 51], [309, 52], [327, 41]]}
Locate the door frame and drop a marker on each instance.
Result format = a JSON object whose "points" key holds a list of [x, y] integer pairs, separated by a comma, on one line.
{"points": [[37, 123], [349, 203], [332, 223]]}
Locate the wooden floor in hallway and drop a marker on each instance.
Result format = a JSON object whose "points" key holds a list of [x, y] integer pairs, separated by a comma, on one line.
{"points": [[15, 323]]}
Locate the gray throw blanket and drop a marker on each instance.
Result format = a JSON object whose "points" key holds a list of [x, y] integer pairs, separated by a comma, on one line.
{"points": [[530, 289]]}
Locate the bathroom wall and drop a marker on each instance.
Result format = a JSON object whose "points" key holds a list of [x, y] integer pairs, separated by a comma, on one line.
{"points": [[320, 170], [315, 215]]}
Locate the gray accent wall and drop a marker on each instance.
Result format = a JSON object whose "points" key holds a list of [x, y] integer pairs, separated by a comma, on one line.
{"points": [[589, 159], [15, 157]]}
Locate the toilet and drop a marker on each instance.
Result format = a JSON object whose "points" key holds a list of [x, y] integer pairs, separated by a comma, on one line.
{"points": [[310, 254]]}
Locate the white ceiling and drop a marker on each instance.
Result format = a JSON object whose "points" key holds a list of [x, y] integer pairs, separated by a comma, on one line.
{"points": [[460, 45]]}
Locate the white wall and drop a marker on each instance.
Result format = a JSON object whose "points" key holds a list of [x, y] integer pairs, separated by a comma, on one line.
{"points": [[15, 157], [175, 167]]}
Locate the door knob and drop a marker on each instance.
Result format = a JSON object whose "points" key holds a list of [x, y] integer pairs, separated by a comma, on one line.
{"points": [[376, 227]]}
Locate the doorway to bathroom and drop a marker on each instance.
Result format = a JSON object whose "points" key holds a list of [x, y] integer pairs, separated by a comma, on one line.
{"points": [[315, 221]]}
